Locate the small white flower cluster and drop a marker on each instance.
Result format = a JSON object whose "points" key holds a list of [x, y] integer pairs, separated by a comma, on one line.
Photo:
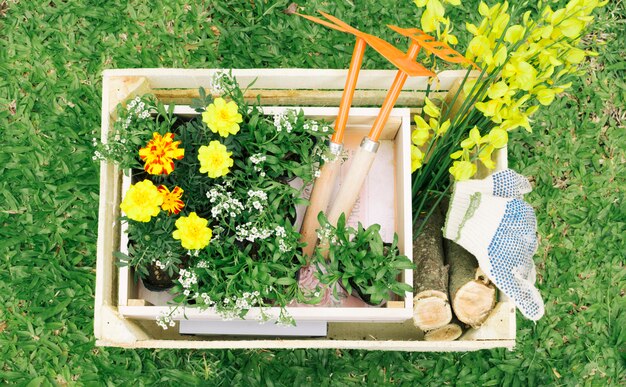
{"points": [[207, 300], [251, 233], [160, 264], [257, 159], [187, 279], [97, 156], [136, 108], [326, 234], [219, 81], [256, 199], [316, 126], [235, 307], [284, 121], [203, 264], [164, 321], [282, 244], [217, 231], [223, 202], [193, 253]]}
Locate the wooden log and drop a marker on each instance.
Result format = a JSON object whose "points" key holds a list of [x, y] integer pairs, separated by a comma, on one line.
{"points": [[472, 295], [449, 332], [431, 308]]}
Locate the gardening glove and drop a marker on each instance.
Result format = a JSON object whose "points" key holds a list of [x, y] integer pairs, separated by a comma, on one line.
{"points": [[502, 234], [506, 184]]}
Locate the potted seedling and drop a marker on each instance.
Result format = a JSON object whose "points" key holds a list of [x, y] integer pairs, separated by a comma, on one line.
{"points": [[361, 262]]}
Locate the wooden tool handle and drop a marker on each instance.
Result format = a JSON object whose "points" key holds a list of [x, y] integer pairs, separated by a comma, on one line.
{"points": [[351, 185], [320, 196]]}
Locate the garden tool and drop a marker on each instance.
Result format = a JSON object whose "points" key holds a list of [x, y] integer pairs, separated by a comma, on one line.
{"points": [[349, 191], [490, 220], [325, 183]]}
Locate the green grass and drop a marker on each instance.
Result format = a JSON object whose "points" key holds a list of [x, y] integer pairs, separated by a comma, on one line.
{"points": [[52, 54]]}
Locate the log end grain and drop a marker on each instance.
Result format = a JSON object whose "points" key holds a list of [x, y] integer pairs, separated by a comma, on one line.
{"points": [[449, 332], [473, 302], [431, 312]]}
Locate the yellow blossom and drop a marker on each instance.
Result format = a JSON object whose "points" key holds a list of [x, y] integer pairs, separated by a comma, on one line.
{"points": [[430, 108], [215, 159], [462, 170], [473, 139], [521, 74], [192, 231], [498, 137], [485, 157], [514, 34], [420, 135], [142, 201], [478, 47], [222, 117], [443, 128], [417, 158]]}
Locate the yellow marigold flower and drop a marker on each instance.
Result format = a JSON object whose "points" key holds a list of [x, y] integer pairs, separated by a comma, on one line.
{"points": [[215, 159], [192, 231], [417, 158], [222, 117], [142, 201], [160, 153], [462, 170], [171, 200]]}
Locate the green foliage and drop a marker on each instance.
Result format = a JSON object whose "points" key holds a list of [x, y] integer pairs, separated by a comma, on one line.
{"points": [[358, 259], [51, 58]]}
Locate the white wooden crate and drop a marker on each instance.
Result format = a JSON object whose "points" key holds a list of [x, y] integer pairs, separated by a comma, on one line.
{"points": [[123, 319]]}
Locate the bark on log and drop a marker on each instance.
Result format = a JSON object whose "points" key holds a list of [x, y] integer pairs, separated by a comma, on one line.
{"points": [[431, 306], [472, 295]]}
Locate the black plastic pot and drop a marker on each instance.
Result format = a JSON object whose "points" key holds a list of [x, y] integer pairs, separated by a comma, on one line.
{"points": [[158, 280]]}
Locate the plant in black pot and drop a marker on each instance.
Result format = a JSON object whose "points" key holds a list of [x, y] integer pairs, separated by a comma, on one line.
{"points": [[361, 262]]}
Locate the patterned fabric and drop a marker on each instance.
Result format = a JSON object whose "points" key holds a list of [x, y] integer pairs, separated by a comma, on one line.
{"points": [[489, 219], [510, 256], [510, 184]]}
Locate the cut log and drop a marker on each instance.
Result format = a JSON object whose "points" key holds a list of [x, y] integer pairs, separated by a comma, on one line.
{"points": [[472, 295], [431, 306], [449, 332]]}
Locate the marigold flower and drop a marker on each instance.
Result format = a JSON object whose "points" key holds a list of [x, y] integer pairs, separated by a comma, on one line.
{"points": [[142, 201], [171, 200], [160, 153], [192, 231], [222, 117], [215, 159]]}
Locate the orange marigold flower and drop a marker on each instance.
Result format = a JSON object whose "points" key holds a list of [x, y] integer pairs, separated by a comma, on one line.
{"points": [[160, 153], [171, 199]]}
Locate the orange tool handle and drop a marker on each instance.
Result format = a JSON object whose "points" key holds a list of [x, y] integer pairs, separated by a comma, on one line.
{"points": [[391, 53], [392, 96], [348, 90]]}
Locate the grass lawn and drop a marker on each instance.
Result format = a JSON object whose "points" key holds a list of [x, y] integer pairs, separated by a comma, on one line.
{"points": [[52, 54]]}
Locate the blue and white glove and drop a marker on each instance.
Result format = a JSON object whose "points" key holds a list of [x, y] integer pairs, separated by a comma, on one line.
{"points": [[506, 184], [501, 232]]}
